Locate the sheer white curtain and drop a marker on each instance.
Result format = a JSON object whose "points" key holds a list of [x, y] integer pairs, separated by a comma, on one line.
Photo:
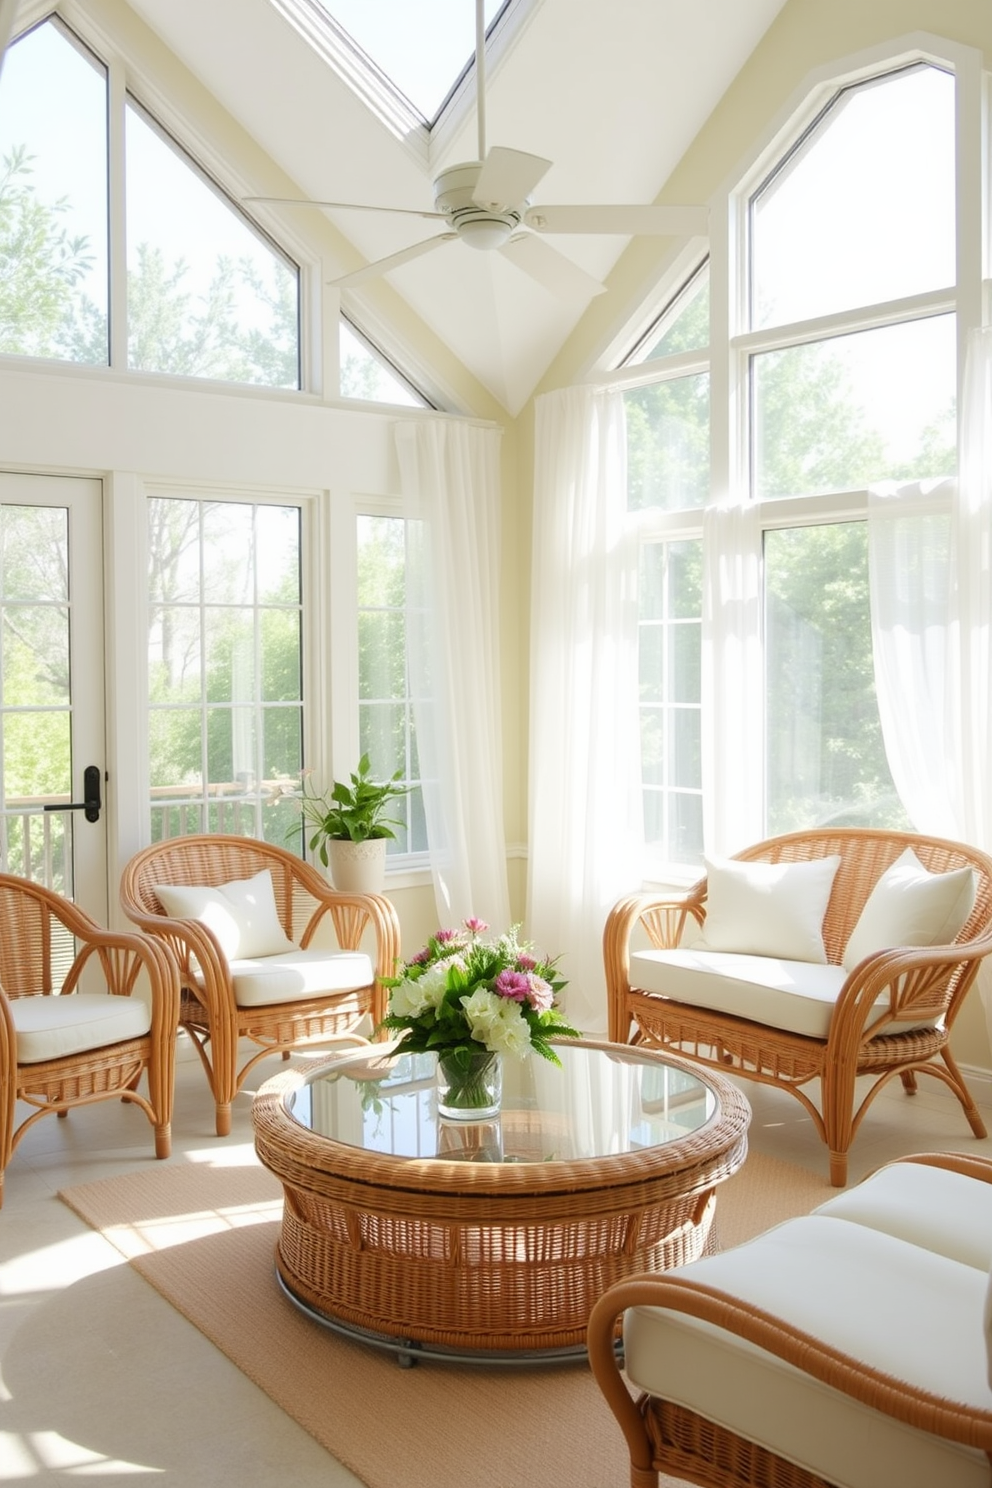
{"points": [[932, 633], [733, 688], [909, 587], [585, 818], [450, 479], [971, 598]]}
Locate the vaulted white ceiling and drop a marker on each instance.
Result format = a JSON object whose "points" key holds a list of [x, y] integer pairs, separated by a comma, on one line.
{"points": [[611, 91]]}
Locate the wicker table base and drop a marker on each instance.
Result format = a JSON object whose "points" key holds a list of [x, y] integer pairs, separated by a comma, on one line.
{"points": [[486, 1257]]}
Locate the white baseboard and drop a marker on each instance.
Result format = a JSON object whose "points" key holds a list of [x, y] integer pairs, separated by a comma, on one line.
{"points": [[979, 1082]]}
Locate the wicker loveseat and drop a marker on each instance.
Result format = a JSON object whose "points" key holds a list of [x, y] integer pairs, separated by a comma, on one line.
{"points": [[844, 1349], [278, 983], [862, 1007]]}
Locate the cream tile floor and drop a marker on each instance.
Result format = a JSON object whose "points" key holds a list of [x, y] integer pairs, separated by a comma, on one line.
{"points": [[102, 1382]]}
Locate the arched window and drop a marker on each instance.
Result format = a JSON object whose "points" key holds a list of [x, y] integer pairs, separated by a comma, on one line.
{"points": [[833, 360]]}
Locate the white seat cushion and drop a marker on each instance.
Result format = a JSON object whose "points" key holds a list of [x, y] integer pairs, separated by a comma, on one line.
{"points": [[903, 1310], [298, 975], [796, 996], [55, 1027], [933, 1207]]}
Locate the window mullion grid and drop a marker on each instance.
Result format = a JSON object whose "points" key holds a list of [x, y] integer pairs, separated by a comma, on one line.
{"points": [[863, 318]]}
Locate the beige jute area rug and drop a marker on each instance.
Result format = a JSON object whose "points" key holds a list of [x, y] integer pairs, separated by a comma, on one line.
{"points": [[204, 1237]]}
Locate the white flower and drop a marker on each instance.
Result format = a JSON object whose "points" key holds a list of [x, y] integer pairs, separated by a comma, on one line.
{"points": [[514, 1031], [498, 1022], [482, 1014], [411, 998]]}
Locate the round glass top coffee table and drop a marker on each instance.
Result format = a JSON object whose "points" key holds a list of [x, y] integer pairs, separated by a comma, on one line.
{"points": [[491, 1240]]}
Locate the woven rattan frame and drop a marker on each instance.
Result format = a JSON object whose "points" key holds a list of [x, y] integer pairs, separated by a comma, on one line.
{"points": [[919, 983], [479, 1256], [303, 898], [663, 1437], [42, 936]]}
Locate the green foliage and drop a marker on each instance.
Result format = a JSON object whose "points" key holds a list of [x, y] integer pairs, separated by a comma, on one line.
{"points": [[43, 312], [353, 812], [40, 267]]}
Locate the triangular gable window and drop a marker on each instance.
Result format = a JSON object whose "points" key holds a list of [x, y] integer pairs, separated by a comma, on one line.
{"points": [[207, 294]]}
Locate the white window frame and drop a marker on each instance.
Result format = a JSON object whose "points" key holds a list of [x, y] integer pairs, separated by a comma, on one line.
{"points": [[340, 555], [732, 343]]}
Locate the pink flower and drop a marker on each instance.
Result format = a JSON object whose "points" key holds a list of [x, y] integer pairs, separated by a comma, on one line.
{"points": [[443, 936], [525, 962], [539, 994], [421, 958], [512, 984], [476, 926]]}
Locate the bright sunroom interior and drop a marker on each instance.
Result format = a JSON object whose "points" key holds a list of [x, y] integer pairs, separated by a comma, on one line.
{"points": [[685, 550]]}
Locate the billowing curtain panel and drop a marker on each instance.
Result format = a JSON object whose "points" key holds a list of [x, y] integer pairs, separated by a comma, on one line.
{"points": [[733, 689], [932, 632], [971, 597], [909, 573], [451, 491], [585, 819]]}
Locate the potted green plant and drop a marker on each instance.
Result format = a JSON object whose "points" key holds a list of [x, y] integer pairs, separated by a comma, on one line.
{"points": [[351, 828]]}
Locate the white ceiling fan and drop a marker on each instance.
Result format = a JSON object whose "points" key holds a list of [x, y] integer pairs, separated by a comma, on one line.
{"points": [[485, 204]]}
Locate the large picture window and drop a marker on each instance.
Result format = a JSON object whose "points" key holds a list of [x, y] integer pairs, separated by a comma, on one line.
{"points": [[840, 361]]}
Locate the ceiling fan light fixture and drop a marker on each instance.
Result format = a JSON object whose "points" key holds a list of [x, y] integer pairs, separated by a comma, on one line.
{"points": [[486, 230]]}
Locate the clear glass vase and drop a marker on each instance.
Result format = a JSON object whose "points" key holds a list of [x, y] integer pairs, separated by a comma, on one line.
{"points": [[469, 1086]]}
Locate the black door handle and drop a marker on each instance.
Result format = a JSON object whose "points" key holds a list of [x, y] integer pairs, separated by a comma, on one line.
{"points": [[91, 802]]}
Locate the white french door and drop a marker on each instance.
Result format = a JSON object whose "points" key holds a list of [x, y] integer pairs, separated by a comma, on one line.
{"points": [[52, 713]]}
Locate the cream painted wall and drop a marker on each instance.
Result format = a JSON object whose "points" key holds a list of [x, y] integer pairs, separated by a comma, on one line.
{"points": [[806, 35]]}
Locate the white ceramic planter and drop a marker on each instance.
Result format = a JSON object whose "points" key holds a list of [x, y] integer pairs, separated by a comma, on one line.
{"points": [[357, 867]]}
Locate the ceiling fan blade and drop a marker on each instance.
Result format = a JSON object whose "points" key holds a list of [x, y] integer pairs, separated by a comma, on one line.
{"points": [[299, 201], [552, 269], [509, 176], [383, 265], [662, 221]]}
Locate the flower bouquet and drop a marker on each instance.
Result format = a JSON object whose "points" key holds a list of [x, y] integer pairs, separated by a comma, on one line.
{"points": [[470, 998]]}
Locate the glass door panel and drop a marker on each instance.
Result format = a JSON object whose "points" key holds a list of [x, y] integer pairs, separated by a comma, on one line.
{"points": [[51, 687]]}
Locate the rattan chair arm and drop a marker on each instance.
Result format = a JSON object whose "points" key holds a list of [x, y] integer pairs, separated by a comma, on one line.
{"points": [[122, 956], [904, 1402], [908, 971], [351, 913], [979, 1168], [185, 939], [663, 917], [8, 1083]]}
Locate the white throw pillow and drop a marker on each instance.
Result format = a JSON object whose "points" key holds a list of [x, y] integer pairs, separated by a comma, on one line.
{"points": [[910, 906], [767, 909], [242, 914]]}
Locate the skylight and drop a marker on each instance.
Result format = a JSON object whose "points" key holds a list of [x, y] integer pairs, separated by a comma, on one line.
{"points": [[422, 46]]}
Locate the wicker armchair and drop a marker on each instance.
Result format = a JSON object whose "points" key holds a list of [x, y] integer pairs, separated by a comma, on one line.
{"points": [[317, 995], [84, 1012], [890, 1015], [842, 1349]]}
